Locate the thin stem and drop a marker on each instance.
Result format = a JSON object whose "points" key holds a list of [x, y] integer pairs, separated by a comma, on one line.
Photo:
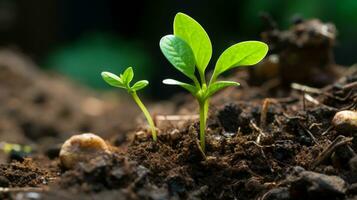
{"points": [[146, 113], [203, 78], [197, 84], [203, 118]]}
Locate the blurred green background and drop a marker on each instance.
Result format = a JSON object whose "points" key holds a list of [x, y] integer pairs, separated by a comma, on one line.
{"points": [[81, 38]]}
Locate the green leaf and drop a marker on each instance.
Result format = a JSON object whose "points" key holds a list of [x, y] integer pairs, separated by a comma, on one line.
{"points": [[179, 54], [140, 85], [241, 54], [112, 79], [219, 85], [128, 76], [195, 35], [192, 89]]}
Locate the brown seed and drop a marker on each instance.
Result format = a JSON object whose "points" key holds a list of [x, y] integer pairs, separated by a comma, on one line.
{"points": [[345, 121], [82, 148]]}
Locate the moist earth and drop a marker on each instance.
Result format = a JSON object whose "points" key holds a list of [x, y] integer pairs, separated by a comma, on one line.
{"points": [[283, 147]]}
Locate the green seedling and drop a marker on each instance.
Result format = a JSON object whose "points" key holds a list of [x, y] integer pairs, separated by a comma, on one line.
{"points": [[190, 48], [123, 81]]}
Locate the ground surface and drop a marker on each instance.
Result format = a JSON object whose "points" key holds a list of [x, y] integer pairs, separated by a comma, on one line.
{"points": [[270, 141]]}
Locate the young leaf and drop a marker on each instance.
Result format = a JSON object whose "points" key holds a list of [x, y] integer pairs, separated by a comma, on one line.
{"points": [[241, 54], [140, 85], [123, 82], [179, 54], [216, 86], [195, 35], [112, 79], [192, 89], [128, 76]]}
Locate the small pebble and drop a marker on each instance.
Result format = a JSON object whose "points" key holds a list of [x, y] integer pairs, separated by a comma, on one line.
{"points": [[82, 148], [345, 121], [175, 134], [141, 136], [311, 185]]}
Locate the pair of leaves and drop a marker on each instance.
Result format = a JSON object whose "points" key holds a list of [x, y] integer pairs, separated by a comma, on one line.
{"points": [[190, 46], [124, 80]]}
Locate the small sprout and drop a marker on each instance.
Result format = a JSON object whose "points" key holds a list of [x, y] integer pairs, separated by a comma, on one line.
{"points": [[82, 148], [10, 147], [123, 81], [190, 48], [345, 121]]}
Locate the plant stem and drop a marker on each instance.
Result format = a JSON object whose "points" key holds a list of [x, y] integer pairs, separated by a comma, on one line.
{"points": [[146, 113], [197, 84], [203, 118], [203, 78]]}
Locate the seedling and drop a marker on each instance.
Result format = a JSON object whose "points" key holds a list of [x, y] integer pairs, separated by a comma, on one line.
{"points": [[190, 48], [123, 81]]}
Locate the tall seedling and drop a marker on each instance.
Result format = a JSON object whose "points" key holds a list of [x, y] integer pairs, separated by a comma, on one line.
{"points": [[190, 48]]}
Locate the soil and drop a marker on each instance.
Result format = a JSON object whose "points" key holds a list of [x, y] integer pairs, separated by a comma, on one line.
{"points": [[269, 141]]}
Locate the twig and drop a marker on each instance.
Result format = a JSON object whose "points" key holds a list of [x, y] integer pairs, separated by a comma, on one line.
{"points": [[354, 104], [311, 99], [263, 114], [312, 90], [22, 189], [261, 133], [305, 88], [327, 130], [348, 95], [259, 145], [255, 127], [339, 141], [309, 133], [352, 85], [315, 124], [176, 117]]}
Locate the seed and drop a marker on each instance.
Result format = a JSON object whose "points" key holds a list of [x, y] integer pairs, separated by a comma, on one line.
{"points": [[82, 148], [345, 121]]}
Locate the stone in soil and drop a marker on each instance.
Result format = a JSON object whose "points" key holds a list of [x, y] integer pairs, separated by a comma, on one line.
{"points": [[313, 185]]}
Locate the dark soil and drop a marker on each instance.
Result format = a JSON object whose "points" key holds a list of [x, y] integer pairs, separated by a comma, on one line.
{"points": [[245, 156], [27, 173], [270, 141]]}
